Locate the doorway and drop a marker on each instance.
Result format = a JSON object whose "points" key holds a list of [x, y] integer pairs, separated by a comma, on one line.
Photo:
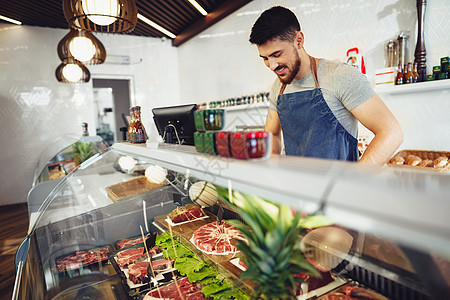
{"points": [[111, 100]]}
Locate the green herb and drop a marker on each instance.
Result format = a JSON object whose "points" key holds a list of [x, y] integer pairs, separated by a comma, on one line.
{"points": [[196, 270]]}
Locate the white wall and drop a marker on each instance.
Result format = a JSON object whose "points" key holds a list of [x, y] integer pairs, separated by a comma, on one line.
{"points": [[331, 27], [35, 109]]}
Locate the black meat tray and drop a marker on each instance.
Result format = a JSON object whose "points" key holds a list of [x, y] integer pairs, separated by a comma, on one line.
{"points": [[137, 292], [99, 267]]}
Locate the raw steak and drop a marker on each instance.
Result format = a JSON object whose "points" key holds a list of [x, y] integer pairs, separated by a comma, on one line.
{"points": [[81, 258], [185, 213], [126, 256], [137, 270], [351, 292], [191, 291], [217, 238], [128, 242]]}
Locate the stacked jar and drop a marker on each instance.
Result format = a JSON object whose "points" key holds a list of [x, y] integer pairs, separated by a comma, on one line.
{"points": [[211, 139], [442, 71]]}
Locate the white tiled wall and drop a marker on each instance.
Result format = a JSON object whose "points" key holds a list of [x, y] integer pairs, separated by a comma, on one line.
{"points": [[35, 108], [217, 64], [331, 27]]}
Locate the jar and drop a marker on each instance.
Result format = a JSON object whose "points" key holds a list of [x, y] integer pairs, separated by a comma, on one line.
{"points": [[209, 142], [238, 145], [223, 143], [199, 141], [258, 144]]}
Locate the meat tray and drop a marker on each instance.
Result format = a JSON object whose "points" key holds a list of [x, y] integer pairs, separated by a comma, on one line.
{"points": [[77, 267], [136, 291], [130, 188]]}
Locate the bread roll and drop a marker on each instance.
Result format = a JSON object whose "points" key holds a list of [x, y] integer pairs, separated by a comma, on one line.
{"points": [[412, 160], [397, 160], [440, 162], [426, 163]]}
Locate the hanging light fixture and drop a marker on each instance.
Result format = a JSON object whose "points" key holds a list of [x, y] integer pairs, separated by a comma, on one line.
{"points": [[72, 71], [101, 15], [83, 46]]}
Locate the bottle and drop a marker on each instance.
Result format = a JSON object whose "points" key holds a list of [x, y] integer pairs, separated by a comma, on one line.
{"points": [[405, 71], [415, 73], [131, 134], [139, 130], [409, 74], [84, 126], [399, 78]]}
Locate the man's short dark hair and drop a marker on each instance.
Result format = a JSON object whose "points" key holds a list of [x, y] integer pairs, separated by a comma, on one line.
{"points": [[276, 22]]}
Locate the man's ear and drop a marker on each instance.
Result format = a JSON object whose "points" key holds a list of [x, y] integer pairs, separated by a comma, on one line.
{"points": [[299, 40]]}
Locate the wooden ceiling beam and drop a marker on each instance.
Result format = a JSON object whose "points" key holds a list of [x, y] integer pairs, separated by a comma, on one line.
{"points": [[213, 17]]}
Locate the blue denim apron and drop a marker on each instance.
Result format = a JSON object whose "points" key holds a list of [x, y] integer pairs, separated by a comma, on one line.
{"points": [[310, 127]]}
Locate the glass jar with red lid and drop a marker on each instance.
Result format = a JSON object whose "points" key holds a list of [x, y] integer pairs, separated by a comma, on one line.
{"points": [[258, 144]]}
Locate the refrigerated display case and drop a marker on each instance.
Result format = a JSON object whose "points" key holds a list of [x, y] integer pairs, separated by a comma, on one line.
{"points": [[390, 229], [59, 157]]}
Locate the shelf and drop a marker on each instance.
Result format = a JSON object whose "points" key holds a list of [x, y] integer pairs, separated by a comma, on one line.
{"points": [[413, 88], [407, 206], [247, 106]]}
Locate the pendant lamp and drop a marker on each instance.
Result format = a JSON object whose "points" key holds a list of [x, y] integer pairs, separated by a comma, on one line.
{"points": [[72, 71], [83, 46], [101, 15]]}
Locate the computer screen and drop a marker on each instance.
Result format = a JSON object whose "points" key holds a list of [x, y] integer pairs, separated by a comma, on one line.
{"points": [[176, 124]]}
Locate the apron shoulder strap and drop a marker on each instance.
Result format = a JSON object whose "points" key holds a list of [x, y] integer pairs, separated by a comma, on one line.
{"points": [[283, 87], [314, 70]]}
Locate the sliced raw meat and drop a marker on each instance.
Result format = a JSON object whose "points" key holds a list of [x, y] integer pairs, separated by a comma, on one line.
{"points": [[217, 238], [161, 265], [128, 242], [337, 296], [185, 213], [138, 270], [363, 293], [127, 256], [81, 258], [191, 291]]}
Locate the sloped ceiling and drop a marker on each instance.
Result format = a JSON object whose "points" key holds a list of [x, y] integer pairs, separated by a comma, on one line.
{"points": [[177, 16]]}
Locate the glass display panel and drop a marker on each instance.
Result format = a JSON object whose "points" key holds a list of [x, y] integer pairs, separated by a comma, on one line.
{"points": [[86, 239]]}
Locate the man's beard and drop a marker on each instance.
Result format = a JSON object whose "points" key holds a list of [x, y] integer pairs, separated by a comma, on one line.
{"points": [[295, 69]]}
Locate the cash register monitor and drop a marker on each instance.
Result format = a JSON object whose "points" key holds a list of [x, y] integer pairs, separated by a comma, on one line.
{"points": [[176, 124]]}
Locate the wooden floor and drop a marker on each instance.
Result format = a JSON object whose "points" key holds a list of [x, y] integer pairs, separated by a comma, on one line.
{"points": [[13, 229]]}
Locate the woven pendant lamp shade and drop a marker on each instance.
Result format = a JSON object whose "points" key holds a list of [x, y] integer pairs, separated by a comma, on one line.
{"points": [[88, 46], [101, 15], [72, 71]]}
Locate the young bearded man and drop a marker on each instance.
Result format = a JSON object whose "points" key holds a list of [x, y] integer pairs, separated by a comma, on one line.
{"points": [[317, 103]]}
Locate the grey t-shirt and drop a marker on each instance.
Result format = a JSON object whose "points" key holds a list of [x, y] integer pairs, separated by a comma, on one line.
{"points": [[343, 88]]}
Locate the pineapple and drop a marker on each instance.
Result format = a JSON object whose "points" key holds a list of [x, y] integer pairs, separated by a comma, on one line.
{"points": [[272, 253], [82, 151]]}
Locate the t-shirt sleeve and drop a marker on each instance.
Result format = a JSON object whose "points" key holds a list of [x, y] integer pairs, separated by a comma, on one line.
{"points": [[273, 95], [351, 86]]}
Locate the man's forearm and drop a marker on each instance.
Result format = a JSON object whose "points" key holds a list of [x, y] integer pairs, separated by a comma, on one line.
{"points": [[276, 144], [382, 148]]}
